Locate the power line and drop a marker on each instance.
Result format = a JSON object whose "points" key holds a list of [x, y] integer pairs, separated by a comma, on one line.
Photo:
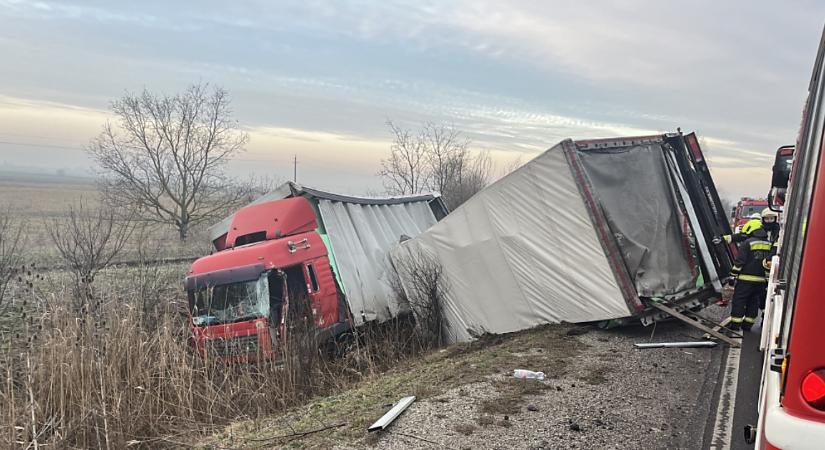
{"points": [[29, 144], [239, 158]]}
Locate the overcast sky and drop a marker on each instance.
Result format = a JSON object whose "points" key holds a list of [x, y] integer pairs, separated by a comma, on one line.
{"points": [[319, 79]]}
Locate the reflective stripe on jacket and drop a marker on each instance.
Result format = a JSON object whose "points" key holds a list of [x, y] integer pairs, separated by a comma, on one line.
{"points": [[750, 259]]}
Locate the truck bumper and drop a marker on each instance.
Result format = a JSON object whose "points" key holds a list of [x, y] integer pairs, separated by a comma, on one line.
{"points": [[787, 432], [780, 430]]}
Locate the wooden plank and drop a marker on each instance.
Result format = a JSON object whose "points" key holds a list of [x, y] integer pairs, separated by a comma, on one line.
{"points": [[720, 326], [716, 326], [694, 323]]}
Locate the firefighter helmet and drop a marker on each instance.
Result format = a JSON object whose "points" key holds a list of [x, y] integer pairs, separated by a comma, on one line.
{"points": [[751, 226], [755, 216], [767, 212]]}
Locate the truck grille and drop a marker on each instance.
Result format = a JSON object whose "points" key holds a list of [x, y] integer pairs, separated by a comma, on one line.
{"points": [[238, 346]]}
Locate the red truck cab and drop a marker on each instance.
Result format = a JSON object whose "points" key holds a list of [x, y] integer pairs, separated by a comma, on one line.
{"points": [[271, 260]]}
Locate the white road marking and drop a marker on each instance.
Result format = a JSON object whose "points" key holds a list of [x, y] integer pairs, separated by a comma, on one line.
{"points": [[723, 428]]}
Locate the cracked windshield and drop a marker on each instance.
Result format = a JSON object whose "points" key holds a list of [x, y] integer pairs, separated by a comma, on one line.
{"points": [[231, 302]]}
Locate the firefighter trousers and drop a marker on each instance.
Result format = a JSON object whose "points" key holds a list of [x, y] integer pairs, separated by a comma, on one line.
{"points": [[748, 297]]}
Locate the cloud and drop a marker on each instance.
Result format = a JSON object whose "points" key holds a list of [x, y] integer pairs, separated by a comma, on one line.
{"points": [[54, 10], [65, 123], [516, 76]]}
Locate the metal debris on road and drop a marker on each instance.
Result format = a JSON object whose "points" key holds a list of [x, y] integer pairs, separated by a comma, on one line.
{"points": [[676, 344]]}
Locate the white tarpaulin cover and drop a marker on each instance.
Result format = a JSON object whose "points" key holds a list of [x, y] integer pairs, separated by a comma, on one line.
{"points": [[360, 232], [574, 235], [520, 253]]}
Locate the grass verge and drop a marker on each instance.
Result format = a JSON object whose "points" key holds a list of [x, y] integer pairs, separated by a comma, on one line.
{"points": [[547, 348]]}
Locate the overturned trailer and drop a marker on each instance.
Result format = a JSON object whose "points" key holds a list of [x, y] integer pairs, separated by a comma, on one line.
{"points": [[604, 230]]}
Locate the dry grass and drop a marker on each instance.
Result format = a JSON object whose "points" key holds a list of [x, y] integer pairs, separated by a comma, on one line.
{"points": [[124, 374], [110, 383], [128, 377]]}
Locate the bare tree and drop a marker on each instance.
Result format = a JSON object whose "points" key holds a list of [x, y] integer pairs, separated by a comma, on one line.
{"points": [[406, 170], [446, 154], [438, 158], [88, 240], [254, 187], [166, 156], [11, 255], [420, 282], [470, 175]]}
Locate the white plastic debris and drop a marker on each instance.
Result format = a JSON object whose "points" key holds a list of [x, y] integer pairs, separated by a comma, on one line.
{"points": [[528, 374]]}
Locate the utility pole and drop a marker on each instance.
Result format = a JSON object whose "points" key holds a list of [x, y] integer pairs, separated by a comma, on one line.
{"points": [[295, 169]]}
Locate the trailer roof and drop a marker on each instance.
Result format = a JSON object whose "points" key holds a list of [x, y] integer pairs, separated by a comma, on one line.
{"points": [[292, 189], [297, 189]]}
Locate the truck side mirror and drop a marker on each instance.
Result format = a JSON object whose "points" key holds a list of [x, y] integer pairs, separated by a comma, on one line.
{"points": [[781, 175]]}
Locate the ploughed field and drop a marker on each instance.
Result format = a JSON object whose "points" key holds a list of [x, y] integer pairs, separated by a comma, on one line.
{"points": [[38, 201]]}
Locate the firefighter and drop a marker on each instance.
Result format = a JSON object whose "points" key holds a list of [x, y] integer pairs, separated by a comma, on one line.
{"points": [[754, 223], [751, 279], [770, 222]]}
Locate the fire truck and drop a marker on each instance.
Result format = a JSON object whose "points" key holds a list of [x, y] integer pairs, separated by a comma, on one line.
{"points": [[792, 392], [744, 209]]}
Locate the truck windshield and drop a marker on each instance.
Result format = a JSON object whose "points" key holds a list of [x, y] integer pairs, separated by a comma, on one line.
{"points": [[232, 302], [752, 209]]}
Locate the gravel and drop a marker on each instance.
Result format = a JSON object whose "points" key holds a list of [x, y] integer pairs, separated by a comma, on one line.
{"points": [[611, 396]]}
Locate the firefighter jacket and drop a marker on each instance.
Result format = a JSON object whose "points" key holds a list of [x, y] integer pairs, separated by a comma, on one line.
{"points": [[748, 228], [753, 257]]}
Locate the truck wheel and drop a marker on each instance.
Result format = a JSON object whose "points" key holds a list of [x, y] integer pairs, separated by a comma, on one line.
{"points": [[339, 345]]}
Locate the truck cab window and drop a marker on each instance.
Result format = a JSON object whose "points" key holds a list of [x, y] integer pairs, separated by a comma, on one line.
{"points": [[276, 297], [313, 280]]}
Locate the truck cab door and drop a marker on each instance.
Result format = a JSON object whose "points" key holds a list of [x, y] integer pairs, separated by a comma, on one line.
{"points": [[322, 293]]}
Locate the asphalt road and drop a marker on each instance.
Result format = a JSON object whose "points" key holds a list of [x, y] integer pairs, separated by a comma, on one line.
{"points": [[735, 394], [747, 388]]}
